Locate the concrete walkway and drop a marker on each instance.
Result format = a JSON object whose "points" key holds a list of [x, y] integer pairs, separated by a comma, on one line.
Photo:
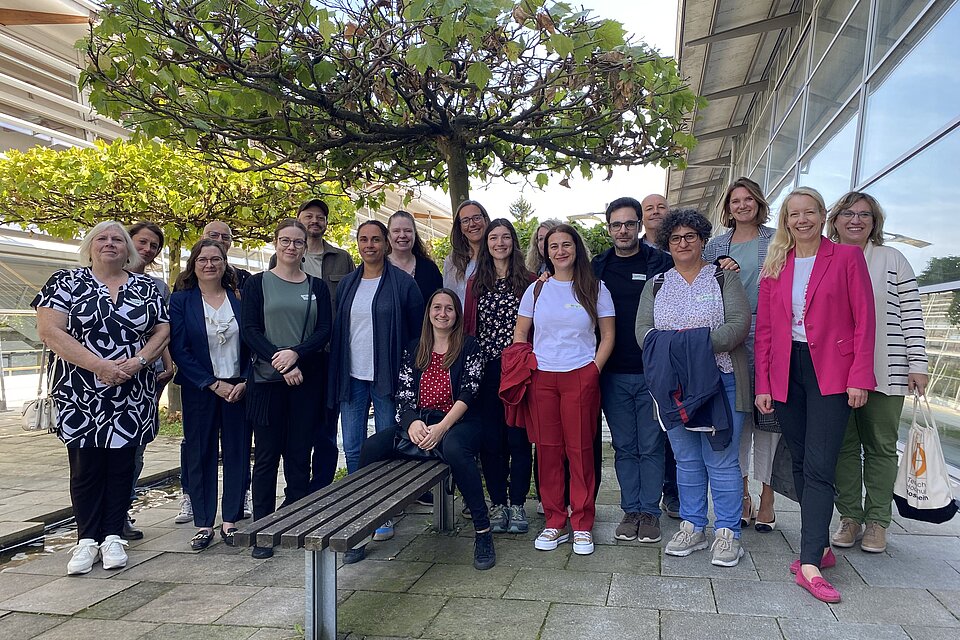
{"points": [[422, 585]]}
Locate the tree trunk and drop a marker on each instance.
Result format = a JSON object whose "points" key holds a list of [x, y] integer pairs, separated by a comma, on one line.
{"points": [[458, 176], [174, 402]]}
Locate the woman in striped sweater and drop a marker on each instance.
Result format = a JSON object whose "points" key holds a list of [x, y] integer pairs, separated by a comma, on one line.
{"points": [[900, 365]]}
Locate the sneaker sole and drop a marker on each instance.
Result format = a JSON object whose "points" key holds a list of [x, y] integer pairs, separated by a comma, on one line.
{"points": [[550, 546], [582, 549], [683, 553], [183, 519], [650, 540], [620, 536], [515, 528], [498, 528], [80, 572], [729, 563], [842, 545], [382, 537], [114, 566], [872, 549]]}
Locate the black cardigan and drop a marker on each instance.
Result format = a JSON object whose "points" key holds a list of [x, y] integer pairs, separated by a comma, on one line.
{"points": [[465, 375]]}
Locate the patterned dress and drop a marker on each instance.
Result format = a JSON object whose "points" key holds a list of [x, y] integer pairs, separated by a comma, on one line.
{"points": [[92, 413]]}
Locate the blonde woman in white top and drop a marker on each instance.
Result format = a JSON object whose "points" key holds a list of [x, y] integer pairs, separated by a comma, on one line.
{"points": [[900, 364]]}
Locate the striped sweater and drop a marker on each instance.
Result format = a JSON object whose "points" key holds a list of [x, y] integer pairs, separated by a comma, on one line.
{"points": [[901, 345]]}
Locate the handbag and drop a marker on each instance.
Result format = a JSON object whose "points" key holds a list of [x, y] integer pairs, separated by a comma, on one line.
{"points": [[781, 476], [766, 421], [922, 490], [404, 447], [41, 413], [263, 370]]}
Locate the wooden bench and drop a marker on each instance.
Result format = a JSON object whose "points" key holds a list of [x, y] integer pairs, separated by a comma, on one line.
{"points": [[334, 519]]}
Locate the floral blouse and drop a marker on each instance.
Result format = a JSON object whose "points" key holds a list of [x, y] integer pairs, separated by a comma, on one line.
{"points": [[496, 319], [465, 375]]}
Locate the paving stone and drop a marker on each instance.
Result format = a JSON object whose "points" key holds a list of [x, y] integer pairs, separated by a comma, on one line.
{"points": [[643, 560], [272, 607], [713, 625], [12, 584], [175, 540], [284, 569], [55, 564], [655, 592], [280, 634], [521, 553], [99, 629], [697, 565], [776, 567], [384, 575], [389, 549], [390, 614], [773, 542], [464, 580], [66, 595], [819, 629], [603, 533], [198, 632], [920, 573], [12, 533], [773, 599], [24, 626], [470, 619], [553, 585], [893, 606], [917, 546], [579, 622], [192, 604], [930, 633], [949, 599], [194, 569], [115, 607], [439, 548], [949, 528]]}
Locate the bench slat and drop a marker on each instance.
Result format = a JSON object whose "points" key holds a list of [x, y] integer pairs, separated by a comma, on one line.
{"points": [[351, 528], [305, 507]]}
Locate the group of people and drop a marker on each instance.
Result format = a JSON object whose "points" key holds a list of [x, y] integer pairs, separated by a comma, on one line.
{"points": [[701, 352]]}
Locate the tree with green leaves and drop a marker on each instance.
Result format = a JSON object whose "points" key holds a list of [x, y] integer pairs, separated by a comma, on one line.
{"points": [[521, 210], [387, 92], [63, 193]]}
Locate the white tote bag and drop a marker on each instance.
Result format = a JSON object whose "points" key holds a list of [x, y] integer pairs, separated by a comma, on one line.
{"points": [[922, 490]]}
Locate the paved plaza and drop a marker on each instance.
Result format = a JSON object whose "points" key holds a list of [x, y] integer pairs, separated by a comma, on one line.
{"points": [[422, 584]]}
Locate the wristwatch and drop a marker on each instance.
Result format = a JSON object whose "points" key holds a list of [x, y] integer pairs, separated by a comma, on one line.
{"points": [[143, 361]]}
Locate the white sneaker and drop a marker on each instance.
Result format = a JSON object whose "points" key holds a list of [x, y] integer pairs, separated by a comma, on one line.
{"points": [[114, 557], [582, 543], [186, 510], [248, 505], [84, 555]]}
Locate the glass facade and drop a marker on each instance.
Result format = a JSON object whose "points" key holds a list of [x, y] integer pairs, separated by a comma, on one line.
{"points": [[866, 96]]}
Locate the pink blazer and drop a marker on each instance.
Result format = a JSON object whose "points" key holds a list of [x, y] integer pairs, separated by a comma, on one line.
{"points": [[839, 320]]}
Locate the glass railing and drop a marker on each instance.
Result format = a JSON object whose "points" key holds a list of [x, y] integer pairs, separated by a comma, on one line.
{"points": [[20, 350]]}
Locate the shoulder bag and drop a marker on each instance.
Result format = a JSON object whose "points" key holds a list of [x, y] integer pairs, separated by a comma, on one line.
{"points": [[263, 370], [41, 413]]}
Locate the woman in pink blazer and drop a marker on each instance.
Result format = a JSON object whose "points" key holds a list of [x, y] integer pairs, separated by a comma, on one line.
{"points": [[814, 362]]}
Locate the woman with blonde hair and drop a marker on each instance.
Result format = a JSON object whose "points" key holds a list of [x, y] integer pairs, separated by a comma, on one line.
{"points": [[814, 363], [900, 365], [536, 256]]}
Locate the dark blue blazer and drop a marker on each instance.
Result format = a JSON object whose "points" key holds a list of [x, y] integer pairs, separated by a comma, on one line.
{"points": [[188, 339]]}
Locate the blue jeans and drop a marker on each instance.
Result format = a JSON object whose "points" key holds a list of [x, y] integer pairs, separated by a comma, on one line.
{"points": [[637, 441], [353, 418], [698, 464]]}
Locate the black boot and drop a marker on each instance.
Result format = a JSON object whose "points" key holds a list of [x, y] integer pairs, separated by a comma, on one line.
{"points": [[129, 531], [484, 556]]}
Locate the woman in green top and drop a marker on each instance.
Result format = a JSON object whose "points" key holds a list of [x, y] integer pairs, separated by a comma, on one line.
{"points": [[286, 323], [744, 210]]}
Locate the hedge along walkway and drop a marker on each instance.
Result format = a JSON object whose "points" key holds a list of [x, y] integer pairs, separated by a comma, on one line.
{"points": [[422, 585]]}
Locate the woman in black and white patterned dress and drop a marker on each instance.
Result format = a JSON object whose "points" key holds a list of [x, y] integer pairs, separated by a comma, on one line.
{"points": [[107, 326]]}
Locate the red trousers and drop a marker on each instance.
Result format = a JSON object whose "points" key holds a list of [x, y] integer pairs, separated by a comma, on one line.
{"points": [[564, 407]]}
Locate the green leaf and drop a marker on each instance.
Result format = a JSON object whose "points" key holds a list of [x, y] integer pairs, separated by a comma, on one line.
{"points": [[542, 180], [479, 74], [562, 44], [610, 34], [425, 56]]}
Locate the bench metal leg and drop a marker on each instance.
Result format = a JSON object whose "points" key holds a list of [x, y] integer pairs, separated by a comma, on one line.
{"points": [[443, 505], [320, 621]]}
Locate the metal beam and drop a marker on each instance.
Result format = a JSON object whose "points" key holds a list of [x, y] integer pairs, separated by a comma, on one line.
{"points": [[703, 185], [785, 21], [10, 17], [722, 133], [742, 90], [722, 161]]}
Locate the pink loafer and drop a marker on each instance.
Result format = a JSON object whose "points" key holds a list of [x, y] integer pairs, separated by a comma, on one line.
{"points": [[827, 562], [819, 588]]}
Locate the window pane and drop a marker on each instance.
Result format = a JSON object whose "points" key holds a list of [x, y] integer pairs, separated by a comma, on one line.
{"points": [[759, 175], [828, 165], [793, 82], [830, 15], [778, 195], [839, 75], [919, 199], [893, 18], [914, 96], [760, 137], [783, 149]]}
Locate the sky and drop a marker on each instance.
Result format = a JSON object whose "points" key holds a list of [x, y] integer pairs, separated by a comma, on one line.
{"points": [[654, 22]]}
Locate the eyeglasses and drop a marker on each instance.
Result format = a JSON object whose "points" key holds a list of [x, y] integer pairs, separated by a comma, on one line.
{"points": [[215, 261], [475, 219], [630, 225], [689, 238], [846, 214], [216, 235], [286, 242]]}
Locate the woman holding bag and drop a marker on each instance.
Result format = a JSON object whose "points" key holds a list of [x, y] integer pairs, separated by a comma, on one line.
{"points": [[286, 323]]}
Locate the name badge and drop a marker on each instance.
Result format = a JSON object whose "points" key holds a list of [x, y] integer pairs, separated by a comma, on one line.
{"points": [[306, 296], [706, 297], [640, 276], [573, 305]]}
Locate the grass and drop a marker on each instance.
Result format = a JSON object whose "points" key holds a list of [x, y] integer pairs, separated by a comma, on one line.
{"points": [[171, 423]]}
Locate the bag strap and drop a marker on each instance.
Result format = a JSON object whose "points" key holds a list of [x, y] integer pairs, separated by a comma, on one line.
{"points": [[306, 314], [42, 374], [658, 280], [537, 288]]}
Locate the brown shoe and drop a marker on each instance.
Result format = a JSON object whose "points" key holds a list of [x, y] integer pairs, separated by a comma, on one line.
{"points": [[649, 529], [627, 529], [847, 533], [874, 538]]}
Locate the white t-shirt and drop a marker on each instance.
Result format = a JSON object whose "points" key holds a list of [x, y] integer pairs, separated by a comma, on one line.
{"points": [[361, 330], [452, 282], [563, 336], [802, 269], [223, 338]]}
